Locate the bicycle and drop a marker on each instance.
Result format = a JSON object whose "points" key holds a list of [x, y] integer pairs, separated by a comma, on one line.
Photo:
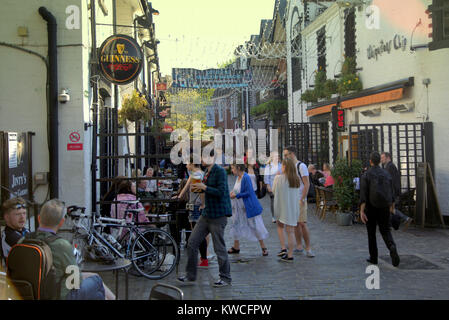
{"points": [[153, 252]]}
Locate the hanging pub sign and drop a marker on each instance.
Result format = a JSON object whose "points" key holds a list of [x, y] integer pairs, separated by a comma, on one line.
{"points": [[338, 118], [120, 59]]}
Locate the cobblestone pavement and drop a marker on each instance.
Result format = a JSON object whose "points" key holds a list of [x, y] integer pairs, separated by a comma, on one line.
{"points": [[337, 272]]}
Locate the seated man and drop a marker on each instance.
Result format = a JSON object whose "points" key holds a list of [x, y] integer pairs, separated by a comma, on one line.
{"points": [[15, 214], [91, 287], [315, 175]]}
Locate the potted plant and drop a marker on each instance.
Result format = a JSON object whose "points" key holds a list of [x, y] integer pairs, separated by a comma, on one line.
{"points": [[350, 80], [330, 88], [134, 108], [344, 191], [309, 96]]}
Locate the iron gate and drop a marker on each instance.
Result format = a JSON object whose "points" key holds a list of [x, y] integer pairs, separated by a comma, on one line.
{"points": [[310, 139], [408, 144]]}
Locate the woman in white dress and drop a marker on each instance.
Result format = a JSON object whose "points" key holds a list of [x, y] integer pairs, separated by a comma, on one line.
{"points": [[286, 206], [244, 203]]}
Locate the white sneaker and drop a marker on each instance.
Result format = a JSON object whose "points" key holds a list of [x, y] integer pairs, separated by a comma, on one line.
{"points": [[310, 254]]}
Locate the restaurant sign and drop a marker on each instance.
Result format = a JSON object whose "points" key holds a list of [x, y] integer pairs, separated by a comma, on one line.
{"points": [[398, 42], [120, 59]]}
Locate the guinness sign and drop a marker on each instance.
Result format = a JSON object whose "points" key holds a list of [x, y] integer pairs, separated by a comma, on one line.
{"points": [[120, 59]]}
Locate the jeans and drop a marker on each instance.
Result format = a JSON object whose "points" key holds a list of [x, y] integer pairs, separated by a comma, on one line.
{"points": [[91, 289], [379, 217], [216, 228]]}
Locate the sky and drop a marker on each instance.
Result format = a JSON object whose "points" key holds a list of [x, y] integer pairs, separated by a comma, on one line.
{"points": [[201, 34]]}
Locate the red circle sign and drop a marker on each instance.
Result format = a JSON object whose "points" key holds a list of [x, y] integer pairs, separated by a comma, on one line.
{"points": [[74, 137]]}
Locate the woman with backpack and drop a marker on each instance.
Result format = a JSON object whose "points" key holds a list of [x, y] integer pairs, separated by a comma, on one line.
{"points": [[247, 222]]}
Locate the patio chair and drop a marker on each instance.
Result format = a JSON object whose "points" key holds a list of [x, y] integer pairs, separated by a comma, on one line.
{"points": [[329, 203], [319, 201]]}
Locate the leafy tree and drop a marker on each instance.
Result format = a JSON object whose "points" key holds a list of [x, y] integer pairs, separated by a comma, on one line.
{"points": [[189, 105]]}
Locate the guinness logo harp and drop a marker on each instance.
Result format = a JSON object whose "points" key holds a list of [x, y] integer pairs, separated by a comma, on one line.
{"points": [[120, 59]]}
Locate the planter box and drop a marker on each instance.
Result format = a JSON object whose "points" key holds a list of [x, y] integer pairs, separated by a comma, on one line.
{"points": [[344, 218]]}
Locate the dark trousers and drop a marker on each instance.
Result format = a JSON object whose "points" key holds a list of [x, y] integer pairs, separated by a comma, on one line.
{"points": [[379, 217], [203, 245], [216, 228]]}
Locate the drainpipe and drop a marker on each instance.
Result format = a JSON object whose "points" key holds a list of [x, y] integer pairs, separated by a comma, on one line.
{"points": [[53, 101]]}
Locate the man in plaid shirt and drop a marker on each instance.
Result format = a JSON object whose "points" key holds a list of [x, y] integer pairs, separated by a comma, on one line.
{"points": [[213, 220]]}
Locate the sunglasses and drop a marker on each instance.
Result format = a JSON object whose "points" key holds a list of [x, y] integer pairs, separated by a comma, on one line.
{"points": [[20, 206]]}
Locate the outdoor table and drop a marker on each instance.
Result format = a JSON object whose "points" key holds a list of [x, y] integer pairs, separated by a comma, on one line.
{"points": [[119, 264]]}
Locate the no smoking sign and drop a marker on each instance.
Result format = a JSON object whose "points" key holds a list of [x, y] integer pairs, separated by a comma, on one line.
{"points": [[74, 137]]}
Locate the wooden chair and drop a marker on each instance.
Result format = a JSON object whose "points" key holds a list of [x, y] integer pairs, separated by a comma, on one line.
{"points": [[329, 203], [319, 201], [169, 293]]}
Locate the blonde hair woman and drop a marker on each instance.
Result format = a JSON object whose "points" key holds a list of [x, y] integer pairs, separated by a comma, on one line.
{"points": [[286, 206]]}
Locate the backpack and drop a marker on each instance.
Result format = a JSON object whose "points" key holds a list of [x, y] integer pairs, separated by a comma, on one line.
{"points": [[380, 189], [299, 172], [31, 263]]}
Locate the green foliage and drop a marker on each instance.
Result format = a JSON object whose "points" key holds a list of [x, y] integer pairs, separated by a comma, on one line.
{"points": [[309, 96], [349, 81], [187, 106], [273, 108], [323, 89], [226, 64], [349, 66], [344, 190], [330, 87], [134, 108]]}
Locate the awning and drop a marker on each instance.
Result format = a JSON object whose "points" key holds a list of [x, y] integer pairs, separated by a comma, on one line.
{"points": [[384, 93]]}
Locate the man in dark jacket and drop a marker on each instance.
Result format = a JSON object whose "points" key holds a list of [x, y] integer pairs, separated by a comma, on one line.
{"points": [[387, 164], [213, 220], [377, 213]]}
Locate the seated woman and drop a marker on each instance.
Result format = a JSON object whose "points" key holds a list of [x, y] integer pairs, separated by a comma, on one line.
{"points": [[125, 193]]}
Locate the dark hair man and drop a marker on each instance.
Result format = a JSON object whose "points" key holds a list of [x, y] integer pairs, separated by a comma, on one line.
{"points": [[387, 164], [377, 197], [14, 214], [213, 220]]}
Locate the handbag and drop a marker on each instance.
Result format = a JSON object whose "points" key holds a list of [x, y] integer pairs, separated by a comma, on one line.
{"points": [[261, 192]]}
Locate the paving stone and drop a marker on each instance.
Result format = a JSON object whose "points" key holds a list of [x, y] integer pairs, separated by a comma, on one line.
{"points": [[337, 272]]}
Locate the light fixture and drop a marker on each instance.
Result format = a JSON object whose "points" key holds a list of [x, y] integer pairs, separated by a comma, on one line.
{"points": [[143, 21], [405, 107], [371, 112], [151, 44], [63, 97]]}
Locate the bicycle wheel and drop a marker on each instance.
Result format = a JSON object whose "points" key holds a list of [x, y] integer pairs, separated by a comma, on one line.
{"points": [[155, 254]]}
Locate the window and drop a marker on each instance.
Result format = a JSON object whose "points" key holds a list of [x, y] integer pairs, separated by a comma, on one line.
{"points": [[350, 32], [321, 45], [440, 24]]}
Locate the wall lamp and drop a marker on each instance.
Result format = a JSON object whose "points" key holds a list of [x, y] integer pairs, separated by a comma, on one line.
{"points": [[151, 44]]}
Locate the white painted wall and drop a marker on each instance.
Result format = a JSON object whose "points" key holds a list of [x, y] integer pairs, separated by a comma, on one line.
{"points": [[23, 105], [400, 64]]}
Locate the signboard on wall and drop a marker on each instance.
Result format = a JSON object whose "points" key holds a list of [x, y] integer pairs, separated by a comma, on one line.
{"points": [[210, 78], [338, 119], [16, 164]]}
